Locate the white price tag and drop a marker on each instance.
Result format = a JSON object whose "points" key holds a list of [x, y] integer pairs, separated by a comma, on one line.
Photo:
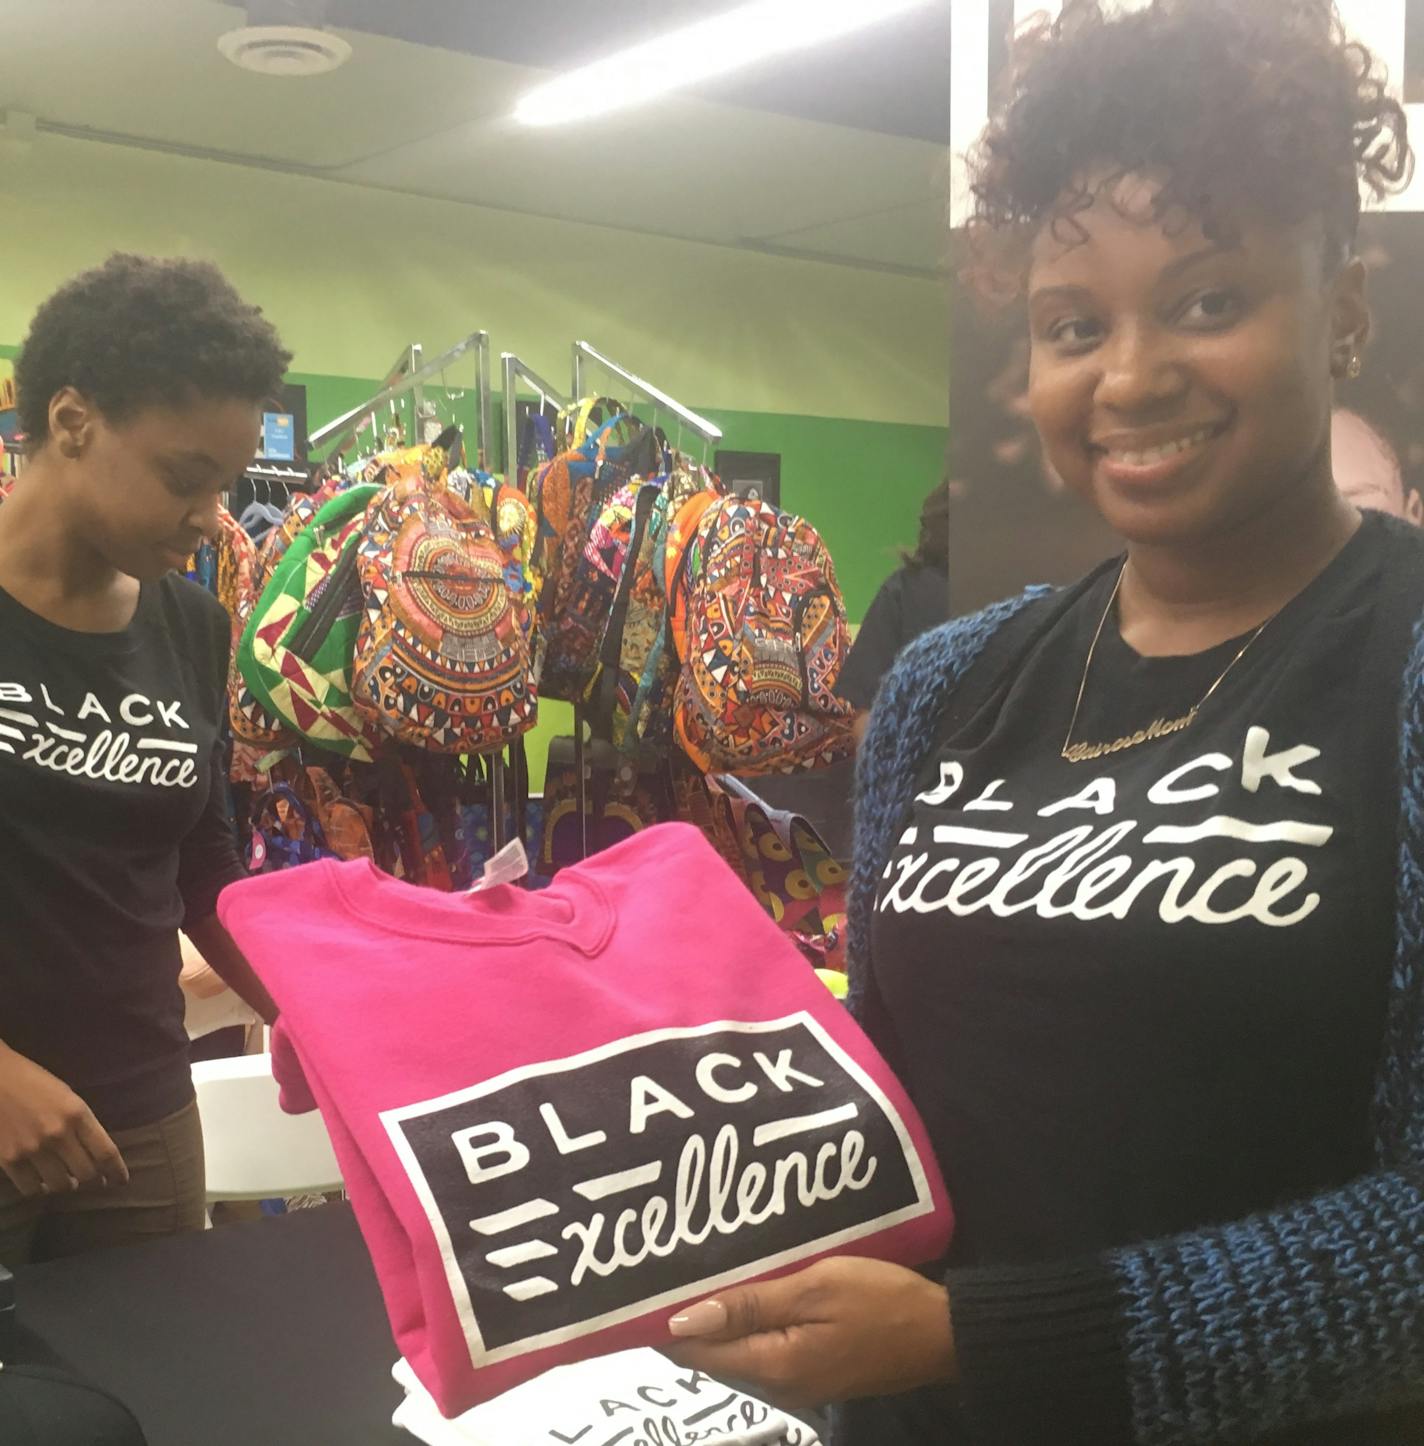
{"points": [[508, 866]]}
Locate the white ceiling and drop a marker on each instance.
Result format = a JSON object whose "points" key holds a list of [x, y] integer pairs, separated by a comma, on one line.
{"points": [[408, 117]]}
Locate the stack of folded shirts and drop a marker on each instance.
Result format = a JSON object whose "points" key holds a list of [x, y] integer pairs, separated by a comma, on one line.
{"points": [[631, 1398]]}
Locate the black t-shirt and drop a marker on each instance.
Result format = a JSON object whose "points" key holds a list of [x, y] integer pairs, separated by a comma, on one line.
{"points": [[1141, 994], [114, 811], [911, 601]]}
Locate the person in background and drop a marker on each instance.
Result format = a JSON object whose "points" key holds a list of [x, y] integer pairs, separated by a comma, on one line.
{"points": [[1367, 469], [141, 388], [1138, 901], [911, 601]]}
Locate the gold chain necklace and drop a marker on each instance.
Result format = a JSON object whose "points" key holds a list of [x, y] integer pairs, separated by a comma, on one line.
{"points": [[1159, 727]]}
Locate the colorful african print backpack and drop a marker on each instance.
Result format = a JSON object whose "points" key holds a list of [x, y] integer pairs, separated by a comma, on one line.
{"points": [[639, 667], [764, 642], [595, 603], [536, 447], [444, 659], [296, 652], [582, 536], [251, 723], [227, 567]]}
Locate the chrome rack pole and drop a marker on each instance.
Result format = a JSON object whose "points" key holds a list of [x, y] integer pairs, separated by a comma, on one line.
{"points": [[579, 760], [417, 396], [583, 353], [513, 371], [486, 452], [350, 421], [403, 366]]}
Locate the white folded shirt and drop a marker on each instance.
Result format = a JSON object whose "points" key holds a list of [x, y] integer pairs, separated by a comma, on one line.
{"points": [[634, 1398]]}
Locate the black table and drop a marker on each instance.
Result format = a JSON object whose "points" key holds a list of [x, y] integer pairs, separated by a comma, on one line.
{"points": [[268, 1334]]}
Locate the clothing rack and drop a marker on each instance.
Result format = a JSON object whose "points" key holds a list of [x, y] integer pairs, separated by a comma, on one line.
{"points": [[338, 436], [514, 371], [408, 377], [586, 356]]}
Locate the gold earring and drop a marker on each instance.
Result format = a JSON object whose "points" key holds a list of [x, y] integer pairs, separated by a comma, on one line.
{"points": [[1355, 367]]}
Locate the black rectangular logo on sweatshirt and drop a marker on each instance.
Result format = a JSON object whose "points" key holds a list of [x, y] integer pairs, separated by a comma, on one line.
{"points": [[573, 1195]]}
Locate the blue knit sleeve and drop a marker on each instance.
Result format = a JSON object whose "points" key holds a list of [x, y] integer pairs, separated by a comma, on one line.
{"points": [[1305, 1314]]}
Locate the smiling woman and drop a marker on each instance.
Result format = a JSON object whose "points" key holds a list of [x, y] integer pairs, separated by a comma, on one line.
{"points": [[140, 394], [1131, 914]]}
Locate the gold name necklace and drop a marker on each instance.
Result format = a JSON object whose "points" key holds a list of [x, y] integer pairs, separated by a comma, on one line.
{"points": [[1159, 727]]}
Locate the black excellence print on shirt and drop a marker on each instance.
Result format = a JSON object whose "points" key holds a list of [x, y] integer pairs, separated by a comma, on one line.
{"points": [[576, 1196]]}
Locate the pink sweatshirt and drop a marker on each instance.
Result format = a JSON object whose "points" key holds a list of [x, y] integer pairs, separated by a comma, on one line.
{"points": [[562, 1115]]}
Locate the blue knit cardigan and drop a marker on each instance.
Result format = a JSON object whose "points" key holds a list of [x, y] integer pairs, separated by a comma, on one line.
{"points": [[1306, 1313]]}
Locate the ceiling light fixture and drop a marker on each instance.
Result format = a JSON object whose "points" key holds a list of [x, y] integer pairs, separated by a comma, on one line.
{"points": [[699, 52]]}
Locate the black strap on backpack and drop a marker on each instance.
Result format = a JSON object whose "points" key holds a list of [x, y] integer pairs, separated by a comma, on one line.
{"points": [[611, 651]]}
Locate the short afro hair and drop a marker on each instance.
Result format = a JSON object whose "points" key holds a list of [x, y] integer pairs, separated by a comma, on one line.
{"points": [[140, 331], [1244, 107]]}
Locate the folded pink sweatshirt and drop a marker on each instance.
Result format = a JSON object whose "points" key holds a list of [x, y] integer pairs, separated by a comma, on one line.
{"points": [[563, 1115]]}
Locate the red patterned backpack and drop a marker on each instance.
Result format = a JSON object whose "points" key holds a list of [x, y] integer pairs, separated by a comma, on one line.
{"points": [[765, 639], [444, 657]]}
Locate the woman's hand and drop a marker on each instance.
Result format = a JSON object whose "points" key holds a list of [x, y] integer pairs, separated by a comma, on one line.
{"points": [[50, 1142], [843, 1328]]}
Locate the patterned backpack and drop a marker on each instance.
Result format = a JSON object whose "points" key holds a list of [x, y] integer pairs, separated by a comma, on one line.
{"points": [[233, 583], [589, 631], [444, 659], [765, 640], [580, 524], [639, 667], [536, 447], [251, 723], [296, 652]]}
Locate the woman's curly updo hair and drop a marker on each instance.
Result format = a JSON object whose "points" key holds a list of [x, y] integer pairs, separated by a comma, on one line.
{"points": [[1241, 107]]}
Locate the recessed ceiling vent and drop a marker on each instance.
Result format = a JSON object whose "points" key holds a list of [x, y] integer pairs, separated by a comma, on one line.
{"points": [[285, 37], [284, 49]]}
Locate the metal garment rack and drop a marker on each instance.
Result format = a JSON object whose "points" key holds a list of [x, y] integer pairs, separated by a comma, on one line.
{"points": [[513, 372], [338, 436], [408, 376], [586, 357], [405, 365]]}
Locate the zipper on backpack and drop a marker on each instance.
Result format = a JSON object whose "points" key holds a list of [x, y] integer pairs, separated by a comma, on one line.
{"points": [[306, 641], [798, 613]]}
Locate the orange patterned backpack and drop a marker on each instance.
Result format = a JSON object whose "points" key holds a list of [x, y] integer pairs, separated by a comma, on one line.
{"points": [[763, 642], [444, 656]]}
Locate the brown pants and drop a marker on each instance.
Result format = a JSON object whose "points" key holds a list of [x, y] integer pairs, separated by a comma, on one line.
{"points": [[164, 1196]]}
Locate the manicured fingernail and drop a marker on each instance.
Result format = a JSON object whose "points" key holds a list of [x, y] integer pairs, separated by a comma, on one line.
{"points": [[700, 1320]]}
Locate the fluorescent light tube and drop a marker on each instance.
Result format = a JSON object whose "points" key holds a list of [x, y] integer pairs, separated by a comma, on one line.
{"points": [[699, 52]]}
